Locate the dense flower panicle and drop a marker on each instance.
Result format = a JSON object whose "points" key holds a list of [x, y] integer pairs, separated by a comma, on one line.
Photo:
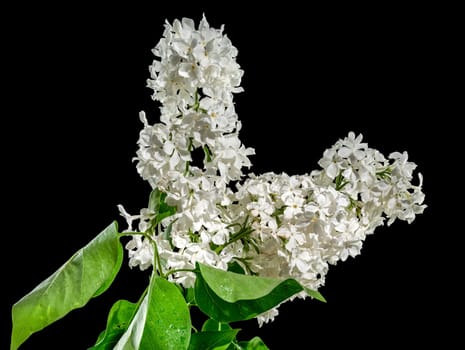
{"points": [[194, 78], [273, 225], [193, 61]]}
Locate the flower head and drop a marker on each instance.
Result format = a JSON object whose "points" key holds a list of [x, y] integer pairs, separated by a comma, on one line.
{"points": [[271, 225]]}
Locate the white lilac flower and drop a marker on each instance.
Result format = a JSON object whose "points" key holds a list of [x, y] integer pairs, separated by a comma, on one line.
{"points": [[267, 316], [351, 146], [194, 77], [140, 252], [272, 225], [194, 60]]}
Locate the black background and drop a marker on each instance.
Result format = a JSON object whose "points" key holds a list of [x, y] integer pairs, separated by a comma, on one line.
{"points": [[74, 83]]}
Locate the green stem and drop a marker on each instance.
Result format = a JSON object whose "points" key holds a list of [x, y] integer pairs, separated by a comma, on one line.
{"points": [[125, 234], [340, 181], [243, 232], [208, 153], [196, 105], [188, 163], [144, 293], [157, 266]]}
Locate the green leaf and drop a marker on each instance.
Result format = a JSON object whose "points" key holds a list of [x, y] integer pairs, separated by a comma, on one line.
{"points": [[212, 340], [158, 205], [235, 267], [161, 322], [254, 344], [131, 339], [228, 297], [189, 295], [87, 274], [118, 321], [165, 210], [315, 294], [213, 325], [167, 233], [154, 200]]}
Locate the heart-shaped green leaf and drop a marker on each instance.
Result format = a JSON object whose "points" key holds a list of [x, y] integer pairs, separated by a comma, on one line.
{"points": [[253, 344], [161, 322], [118, 321], [87, 274], [228, 296], [212, 340]]}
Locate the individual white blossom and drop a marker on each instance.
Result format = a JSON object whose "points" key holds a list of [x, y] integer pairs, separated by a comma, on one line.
{"points": [[272, 225]]}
